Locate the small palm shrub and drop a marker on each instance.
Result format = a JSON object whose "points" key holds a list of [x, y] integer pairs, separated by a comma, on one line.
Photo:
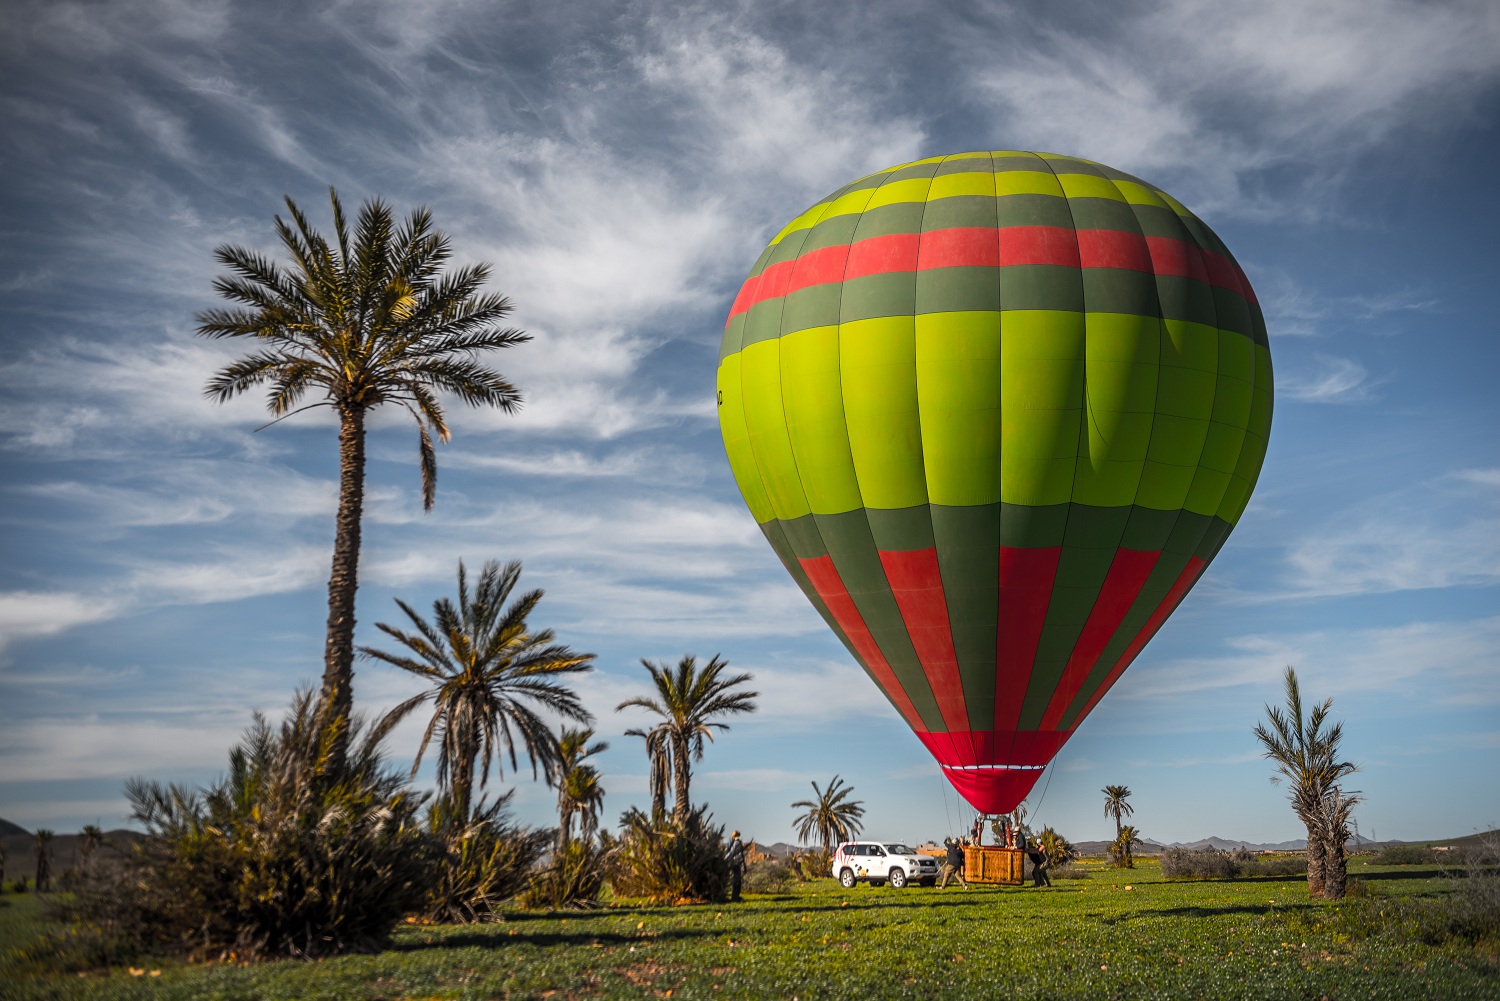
{"points": [[574, 879], [288, 855], [1059, 849], [659, 861], [481, 863], [815, 865]]}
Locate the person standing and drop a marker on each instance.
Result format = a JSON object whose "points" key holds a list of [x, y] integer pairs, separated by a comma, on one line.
{"points": [[1038, 856], [953, 864], [735, 856]]}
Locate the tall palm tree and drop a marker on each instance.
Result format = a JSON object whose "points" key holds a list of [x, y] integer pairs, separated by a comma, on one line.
{"points": [[1305, 751], [89, 840], [1115, 805], [368, 320], [687, 700], [831, 815], [487, 670], [43, 859], [579, 791]]}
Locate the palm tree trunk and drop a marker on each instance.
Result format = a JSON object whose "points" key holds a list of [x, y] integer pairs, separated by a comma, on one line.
{"points": [[1335, 871], [463, 782], [1316, 856], [337, 696], [683, 769]]}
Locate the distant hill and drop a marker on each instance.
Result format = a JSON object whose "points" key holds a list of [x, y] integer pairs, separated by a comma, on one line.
{"points": [[9, 830], [20, 849]]}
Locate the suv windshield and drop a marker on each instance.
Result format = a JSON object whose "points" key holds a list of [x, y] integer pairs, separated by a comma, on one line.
{"points": [[900, 849]]}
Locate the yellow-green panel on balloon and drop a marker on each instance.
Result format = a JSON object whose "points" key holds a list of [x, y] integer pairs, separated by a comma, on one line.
{"points": [[813, 400], [958, 395], [877, 367]]}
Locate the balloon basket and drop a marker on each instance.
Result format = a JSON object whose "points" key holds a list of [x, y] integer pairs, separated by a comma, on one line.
{"points": [[995, 865]]}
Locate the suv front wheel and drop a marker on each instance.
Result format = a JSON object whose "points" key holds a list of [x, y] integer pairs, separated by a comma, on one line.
{"points": [[898, 879], [846, 878]]}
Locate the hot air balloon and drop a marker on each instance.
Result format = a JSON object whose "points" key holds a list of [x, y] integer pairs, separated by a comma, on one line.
{"points": [[995, 412]]}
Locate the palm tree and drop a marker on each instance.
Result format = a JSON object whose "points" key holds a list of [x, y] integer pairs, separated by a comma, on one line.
{"points": [[43, 859], [1306, 754], [687, 701], [1115, 805], [487, 670], [831, 815], [1122, 849], [369, 320], [579, 791], [89, 840]]}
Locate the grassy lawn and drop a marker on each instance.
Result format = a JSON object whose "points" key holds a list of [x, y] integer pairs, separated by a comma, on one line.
{"points": [[1115, 935]]}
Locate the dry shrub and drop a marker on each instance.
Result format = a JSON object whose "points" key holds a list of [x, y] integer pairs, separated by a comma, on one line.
{"points": [[480, 864], [285, 856], [656, 861], [769, 875], [574, 878]]}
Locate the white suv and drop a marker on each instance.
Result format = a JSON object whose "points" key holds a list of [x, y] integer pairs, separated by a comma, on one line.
{"points": [[876, 862]]}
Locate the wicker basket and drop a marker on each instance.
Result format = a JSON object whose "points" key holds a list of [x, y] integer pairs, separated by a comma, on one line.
{"points": [[994, 865]]}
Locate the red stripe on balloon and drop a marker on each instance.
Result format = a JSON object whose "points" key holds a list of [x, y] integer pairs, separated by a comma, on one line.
{"points": [[1113, 248], [1175, 594], [1009, 246], [1038, 245], [964, 246], [962, 748], [882, 255], [818, 267], [1026, 577], [1174, 257], [917, 586], [1127, 574], [830, 587]]}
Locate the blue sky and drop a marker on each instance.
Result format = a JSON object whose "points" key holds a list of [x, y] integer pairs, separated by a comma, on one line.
{"points": [[622, 166]]}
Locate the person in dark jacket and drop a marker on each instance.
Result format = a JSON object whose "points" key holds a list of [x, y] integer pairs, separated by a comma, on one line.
{"points": [[735, 856], [953, 864], [1038, 856]]}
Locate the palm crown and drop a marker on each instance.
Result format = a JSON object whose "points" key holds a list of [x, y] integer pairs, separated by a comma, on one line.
{"points": [[832, 816], [1115, 804], [687, 700], [487, 671]]}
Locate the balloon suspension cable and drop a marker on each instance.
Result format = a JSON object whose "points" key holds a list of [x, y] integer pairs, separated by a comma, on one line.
{"points": [[943, 785], [1038, 808]]}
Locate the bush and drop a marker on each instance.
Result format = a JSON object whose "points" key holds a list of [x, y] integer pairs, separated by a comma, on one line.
{"points": [[480, 864], [574, 879], [815, 865], [1206, 863], [771, 875], [656, 861], [1405, 855], [283, 857], [1069, 871], [1060, 851]]}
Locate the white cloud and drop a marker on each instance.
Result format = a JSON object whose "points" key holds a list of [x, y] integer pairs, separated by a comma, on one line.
{"points": [[1213, 95], [1432, 535], [28, 614], [1423, 662], [1337, 380]]}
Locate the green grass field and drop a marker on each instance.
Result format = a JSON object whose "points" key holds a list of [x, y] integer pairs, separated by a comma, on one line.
{"points": [[1117, 934]]}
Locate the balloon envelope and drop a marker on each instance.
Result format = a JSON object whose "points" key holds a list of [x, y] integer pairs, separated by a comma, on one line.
{"points": [[995, 413]]}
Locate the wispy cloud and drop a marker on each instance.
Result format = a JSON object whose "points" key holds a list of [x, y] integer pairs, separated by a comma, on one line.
{"points": [[1233, 93], [1335, 380], [27, 614]]}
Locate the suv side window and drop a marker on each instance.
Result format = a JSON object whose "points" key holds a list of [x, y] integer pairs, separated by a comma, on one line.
{"points": [[877, 851]]}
